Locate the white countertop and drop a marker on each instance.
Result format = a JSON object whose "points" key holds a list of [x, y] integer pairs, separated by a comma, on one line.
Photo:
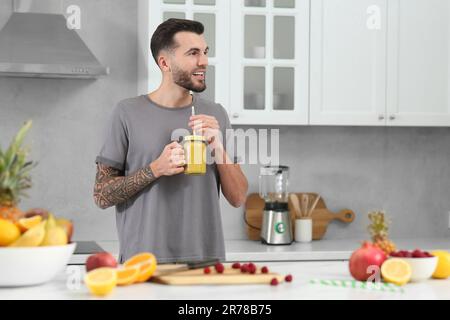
{"points": [[312, 280], [321, 250]]}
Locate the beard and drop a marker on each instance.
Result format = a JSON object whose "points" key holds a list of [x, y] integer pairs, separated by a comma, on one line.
{"points": [[184, 79]]}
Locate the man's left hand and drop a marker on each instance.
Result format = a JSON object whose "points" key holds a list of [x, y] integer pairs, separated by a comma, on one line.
{"points": [[207, 126]]}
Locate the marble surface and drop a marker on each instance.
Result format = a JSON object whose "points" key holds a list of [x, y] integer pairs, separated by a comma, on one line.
{"points": [[312, 280], [323, 250]]}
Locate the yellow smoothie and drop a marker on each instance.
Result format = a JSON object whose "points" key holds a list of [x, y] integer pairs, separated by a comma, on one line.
{"points": [[195, 154]]}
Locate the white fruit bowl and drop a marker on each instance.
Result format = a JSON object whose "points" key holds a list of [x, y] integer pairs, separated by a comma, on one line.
{"points": [[32, 265], [421, 268]]}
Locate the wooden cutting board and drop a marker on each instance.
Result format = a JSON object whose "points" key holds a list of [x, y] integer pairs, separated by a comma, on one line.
{"points": [[198, 277], [321, 216]]}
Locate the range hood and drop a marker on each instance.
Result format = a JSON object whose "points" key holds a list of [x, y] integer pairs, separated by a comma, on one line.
{"points": [[36, 42]]}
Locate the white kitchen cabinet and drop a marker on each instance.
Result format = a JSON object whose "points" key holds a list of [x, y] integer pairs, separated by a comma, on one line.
{"points": [[418, 63], [348, 62], [214, 14], [269, 62], [380, 62], [319, 62], [258, 59]]}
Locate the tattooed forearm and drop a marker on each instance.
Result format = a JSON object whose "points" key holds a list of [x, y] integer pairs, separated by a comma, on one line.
{"points": [[112, 188]]}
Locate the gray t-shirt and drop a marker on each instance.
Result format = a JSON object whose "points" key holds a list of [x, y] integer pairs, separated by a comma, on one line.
{"points": [[176, 217]]}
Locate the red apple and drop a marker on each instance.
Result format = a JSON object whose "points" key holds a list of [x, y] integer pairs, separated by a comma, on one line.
{"points": [[99, 260]]}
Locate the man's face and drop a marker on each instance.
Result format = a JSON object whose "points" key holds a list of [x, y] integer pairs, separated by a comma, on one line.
{"points": [[189, 61]]}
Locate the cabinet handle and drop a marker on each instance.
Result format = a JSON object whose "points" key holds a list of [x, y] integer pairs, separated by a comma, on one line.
{"points": [[381, 117], [235, 115], [392, 117]]}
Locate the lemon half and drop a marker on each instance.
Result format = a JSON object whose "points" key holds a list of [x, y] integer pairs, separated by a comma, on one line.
{"points": [[101, 281], [396, 271]]}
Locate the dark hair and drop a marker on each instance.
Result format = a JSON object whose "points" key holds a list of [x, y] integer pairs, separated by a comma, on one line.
{"points": [[162, 38]]}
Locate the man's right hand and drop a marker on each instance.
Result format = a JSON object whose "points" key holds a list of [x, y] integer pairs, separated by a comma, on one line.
{"points": [[170, 162]]}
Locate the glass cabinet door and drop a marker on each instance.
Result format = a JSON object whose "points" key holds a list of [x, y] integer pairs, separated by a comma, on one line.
{"points": [[258, 59], [214, 15], [269, 61]]}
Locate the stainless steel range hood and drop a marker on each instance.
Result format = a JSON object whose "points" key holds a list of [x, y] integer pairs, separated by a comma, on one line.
{"points": [[36, 42]]}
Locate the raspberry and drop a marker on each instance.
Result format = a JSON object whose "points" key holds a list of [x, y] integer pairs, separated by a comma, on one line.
{"points": [[395, 254], [417, 253], [251, 265], [219, 267], [274, 282], [288, 278], [207, 270], [407, 254], [420, 254], [236, 265], [404, 253], [244, 268], [264, 269], [252, 270]]}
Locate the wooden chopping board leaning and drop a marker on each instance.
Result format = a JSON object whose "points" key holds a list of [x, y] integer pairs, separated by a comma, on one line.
{"points": [[321, 216]]}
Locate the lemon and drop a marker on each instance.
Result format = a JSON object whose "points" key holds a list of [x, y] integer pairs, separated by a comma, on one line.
{"points": [[55, 236], [31, 238], [443, 266], [101, 281], [396, 271], [9, 232], [25, 224]]}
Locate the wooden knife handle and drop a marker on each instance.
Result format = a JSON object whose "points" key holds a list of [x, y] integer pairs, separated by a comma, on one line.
{"points": [[345, 215]]}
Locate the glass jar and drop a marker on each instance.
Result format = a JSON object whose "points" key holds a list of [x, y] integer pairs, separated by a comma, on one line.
{"points": [[195, 154]]}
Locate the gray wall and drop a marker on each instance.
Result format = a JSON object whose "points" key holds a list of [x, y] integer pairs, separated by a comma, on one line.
{"points": [[69, 116], [403, 170]]}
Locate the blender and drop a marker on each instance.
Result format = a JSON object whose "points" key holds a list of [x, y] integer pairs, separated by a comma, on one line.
{"points": [[276, 226]]}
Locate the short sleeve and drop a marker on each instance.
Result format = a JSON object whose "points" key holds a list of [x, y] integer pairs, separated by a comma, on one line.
{"points": [[115, 147]]}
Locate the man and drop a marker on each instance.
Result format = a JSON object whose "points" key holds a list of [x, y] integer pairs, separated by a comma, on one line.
{"points": [[140, 169]]}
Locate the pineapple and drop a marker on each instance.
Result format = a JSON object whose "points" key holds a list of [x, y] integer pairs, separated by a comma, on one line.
{"points": [[379, 231], [14, 175]]}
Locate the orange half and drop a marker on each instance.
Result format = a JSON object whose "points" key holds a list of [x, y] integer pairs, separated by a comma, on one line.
{"points": [[127, 275], [147, 265]]}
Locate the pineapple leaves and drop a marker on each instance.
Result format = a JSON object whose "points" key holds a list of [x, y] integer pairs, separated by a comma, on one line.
{"points": [[18, 139], [13, 149], [14, 167]]}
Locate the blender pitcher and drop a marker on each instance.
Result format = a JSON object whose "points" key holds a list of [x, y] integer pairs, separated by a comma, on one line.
{"points": [[273, 183], [273, 188]]}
